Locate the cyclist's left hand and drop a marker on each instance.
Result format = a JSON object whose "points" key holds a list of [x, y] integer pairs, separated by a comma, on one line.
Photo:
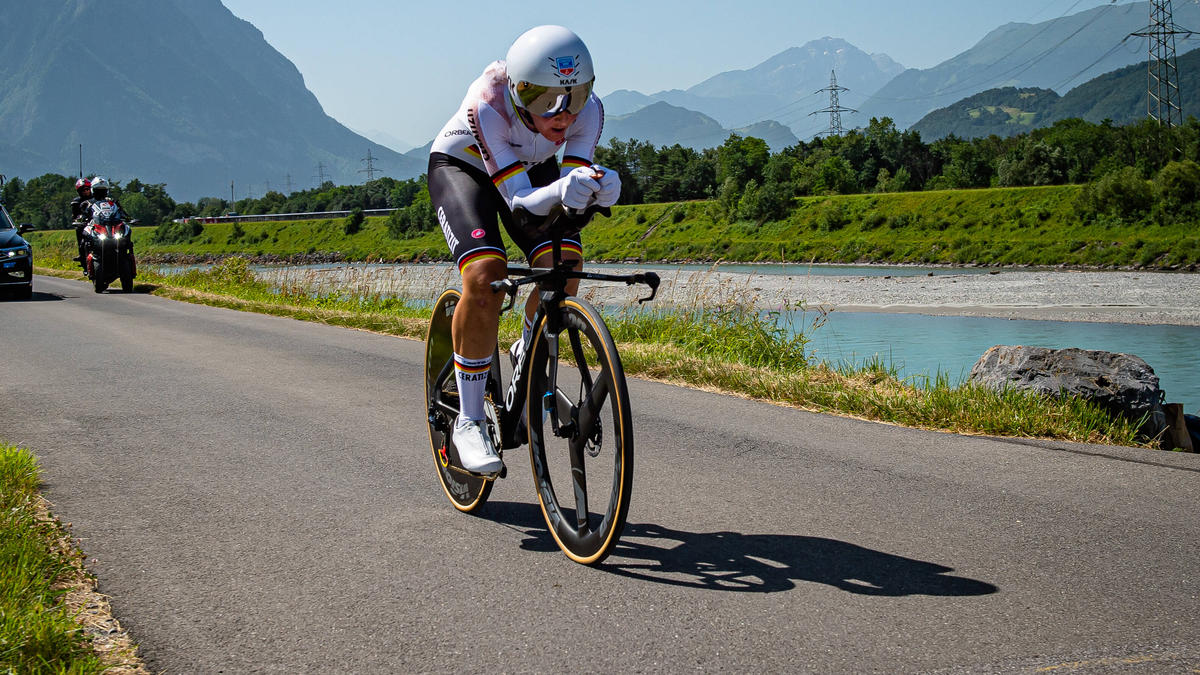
{"points": [[610, 186]]}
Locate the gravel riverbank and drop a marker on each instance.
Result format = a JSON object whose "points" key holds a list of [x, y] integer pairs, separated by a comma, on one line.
{"points": [[1058, 295]]}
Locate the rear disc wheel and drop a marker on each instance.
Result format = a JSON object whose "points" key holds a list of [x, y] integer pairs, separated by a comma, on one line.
{"points": [[467, 491]]}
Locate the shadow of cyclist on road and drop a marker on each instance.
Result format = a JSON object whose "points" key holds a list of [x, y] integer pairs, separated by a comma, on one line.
{"points": [[752, 563]]}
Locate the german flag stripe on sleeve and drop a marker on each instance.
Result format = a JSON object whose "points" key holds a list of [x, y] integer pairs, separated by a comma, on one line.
{"points": [[473, 150], [507, 172], [573, 162], [480, 254]]}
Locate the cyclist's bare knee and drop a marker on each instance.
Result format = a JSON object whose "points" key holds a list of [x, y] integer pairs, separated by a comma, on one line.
{"points": [[477, 278]]}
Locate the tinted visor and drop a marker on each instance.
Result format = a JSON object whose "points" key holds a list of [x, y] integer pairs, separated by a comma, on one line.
{"points": [[550, 101]]}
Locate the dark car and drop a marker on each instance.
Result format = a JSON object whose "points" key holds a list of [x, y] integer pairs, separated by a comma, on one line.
{"points": [[16, 258]]}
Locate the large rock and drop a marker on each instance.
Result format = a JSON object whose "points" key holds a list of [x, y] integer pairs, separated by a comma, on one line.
{"points": [[1122, 383]]}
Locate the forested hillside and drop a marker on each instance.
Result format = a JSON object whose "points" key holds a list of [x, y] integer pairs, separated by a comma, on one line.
{"points": [[1119, 96], [1058, 54]]}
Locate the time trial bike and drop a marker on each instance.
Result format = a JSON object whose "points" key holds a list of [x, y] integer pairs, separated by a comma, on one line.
{"points": [[566, 397]]}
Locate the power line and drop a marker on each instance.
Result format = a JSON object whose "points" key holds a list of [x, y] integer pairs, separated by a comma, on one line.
{"points": [[321, 175], [1081, 71], [1015, 70], [835, 108]]}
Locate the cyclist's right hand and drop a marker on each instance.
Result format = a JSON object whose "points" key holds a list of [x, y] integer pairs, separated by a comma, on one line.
{"points": [[577, 188]]}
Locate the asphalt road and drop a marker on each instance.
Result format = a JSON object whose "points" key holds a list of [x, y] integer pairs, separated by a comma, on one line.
{"points": [[257, 495]]}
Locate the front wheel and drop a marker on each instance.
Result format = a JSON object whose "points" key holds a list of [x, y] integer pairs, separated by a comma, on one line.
{"points": [[584, 470], [127, 273], [98, 283], [467, 491]]}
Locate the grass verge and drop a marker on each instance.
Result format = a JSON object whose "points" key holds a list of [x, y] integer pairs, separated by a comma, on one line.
{"points": [[52, 620], [732, 349]]}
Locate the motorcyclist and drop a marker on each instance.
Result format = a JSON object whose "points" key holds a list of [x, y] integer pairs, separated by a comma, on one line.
{"points": [[80, 211], [100, 197], [100, 206], [498, 152]]}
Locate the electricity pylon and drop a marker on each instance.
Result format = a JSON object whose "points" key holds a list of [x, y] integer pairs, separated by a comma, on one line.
{"points": [[370, 170], [1163, 104], [835, 108]]}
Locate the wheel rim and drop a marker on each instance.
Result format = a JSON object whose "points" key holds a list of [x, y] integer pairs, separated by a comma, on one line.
{"points": [[585, 510]]}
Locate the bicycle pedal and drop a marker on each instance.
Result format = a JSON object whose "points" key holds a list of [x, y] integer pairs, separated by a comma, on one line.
{"points": [[502, 473]]}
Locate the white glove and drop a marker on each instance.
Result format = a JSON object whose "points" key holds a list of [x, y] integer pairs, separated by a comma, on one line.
{"points": [[577, 188], [610, 186]]}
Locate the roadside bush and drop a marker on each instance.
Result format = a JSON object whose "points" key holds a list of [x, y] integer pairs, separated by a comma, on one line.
{"points": [[353, 222], [832, 217], [1122, 193], [1178, 184], [233, 270], [172, 232], [873, 220], [417, 217]]}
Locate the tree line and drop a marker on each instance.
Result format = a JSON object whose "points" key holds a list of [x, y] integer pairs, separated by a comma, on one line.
{"points": [[45, 201], [751, 183], [1122, 165]]}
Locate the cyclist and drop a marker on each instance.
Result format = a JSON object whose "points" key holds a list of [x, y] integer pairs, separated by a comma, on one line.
{"points": [[497, 153]]}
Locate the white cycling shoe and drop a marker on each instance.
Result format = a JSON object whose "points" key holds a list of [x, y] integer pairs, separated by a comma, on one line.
{"points": [[474, 445]]}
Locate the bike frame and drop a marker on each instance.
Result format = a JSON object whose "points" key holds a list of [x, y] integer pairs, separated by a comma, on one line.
{"points": [[552, 285], [552, 282]]}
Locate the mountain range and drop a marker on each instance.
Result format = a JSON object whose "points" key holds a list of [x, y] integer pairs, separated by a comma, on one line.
{"points": [[661, 123], [784, 88], [1057, 54], [1119, 96], [197, 100], [200, 101]]}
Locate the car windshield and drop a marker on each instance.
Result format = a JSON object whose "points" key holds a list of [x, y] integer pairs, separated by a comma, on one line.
{"points": [[6, 222]]}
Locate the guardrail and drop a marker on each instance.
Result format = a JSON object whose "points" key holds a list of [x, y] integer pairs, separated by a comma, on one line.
{"points": [[264, 217]]}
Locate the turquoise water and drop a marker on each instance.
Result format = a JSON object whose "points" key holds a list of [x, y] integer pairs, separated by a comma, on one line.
{"points": [[800, 270], [920, 346]]}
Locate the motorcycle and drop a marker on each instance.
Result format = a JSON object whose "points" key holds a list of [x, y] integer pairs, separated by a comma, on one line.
{"points": [[108, 246]]}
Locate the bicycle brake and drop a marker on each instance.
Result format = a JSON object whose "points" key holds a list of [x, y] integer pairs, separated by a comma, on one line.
{"points": [[509, 288], [650, 279]]}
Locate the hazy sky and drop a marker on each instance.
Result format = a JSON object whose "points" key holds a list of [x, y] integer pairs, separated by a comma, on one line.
{"points": [[402, 67]]}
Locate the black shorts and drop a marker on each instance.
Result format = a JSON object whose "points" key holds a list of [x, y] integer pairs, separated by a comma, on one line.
{"points": [[468, 207]]}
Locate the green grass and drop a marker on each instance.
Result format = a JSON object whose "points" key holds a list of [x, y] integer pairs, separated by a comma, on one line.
{"points": [[1001, 226], [38, 633], [1012, 226], [732, 348]]}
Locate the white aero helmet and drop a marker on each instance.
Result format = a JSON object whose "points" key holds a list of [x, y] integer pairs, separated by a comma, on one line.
{"points": [[549, 71]]}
